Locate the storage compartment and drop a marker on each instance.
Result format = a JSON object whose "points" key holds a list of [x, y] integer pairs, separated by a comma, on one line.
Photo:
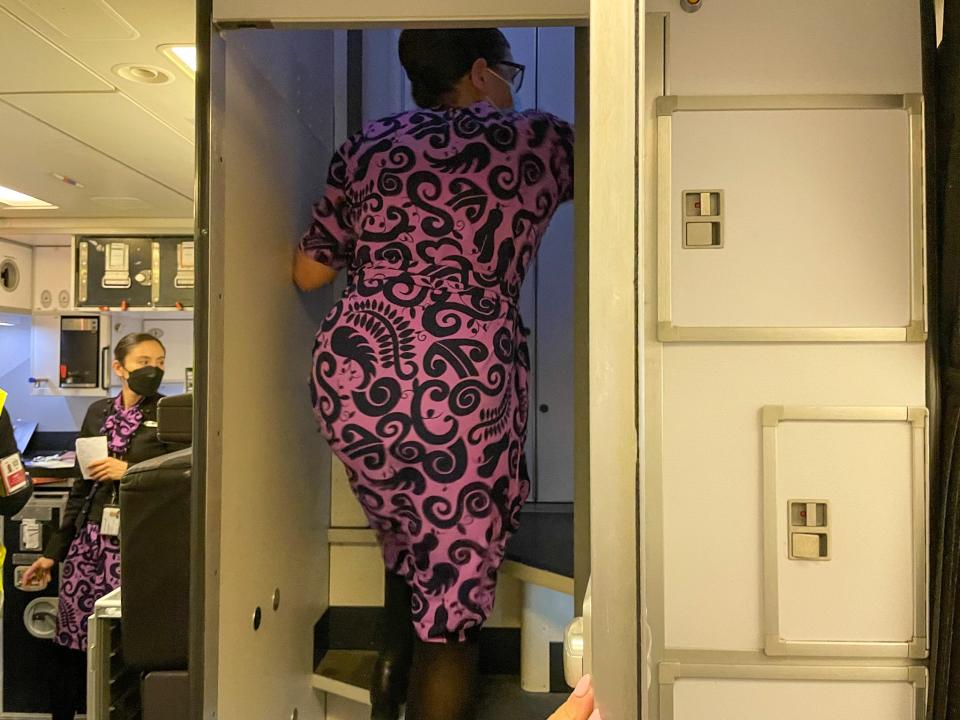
{"points": [[141, 272]]}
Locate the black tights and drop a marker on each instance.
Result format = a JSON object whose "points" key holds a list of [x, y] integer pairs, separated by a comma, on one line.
{"points": [[443, 681], [68, 683], [437, 680]]}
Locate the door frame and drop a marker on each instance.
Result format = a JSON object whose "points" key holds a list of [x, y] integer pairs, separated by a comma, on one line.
{"points": [[607, 291]]}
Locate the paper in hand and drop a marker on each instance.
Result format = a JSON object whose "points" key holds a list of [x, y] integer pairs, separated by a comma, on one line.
{"points": [[89, 450]]}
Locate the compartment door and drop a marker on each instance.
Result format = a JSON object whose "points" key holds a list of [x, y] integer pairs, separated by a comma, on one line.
{"points": [[267, 470]]}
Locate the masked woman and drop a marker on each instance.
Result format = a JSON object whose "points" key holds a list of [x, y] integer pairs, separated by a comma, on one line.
{"points": [[87, 543]]}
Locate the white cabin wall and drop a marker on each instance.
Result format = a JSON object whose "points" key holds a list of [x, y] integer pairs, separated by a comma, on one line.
{"points": [[704, 483]]}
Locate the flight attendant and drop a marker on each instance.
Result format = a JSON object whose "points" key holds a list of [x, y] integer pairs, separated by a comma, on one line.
{"points": [[420, 370], [87, 543]]}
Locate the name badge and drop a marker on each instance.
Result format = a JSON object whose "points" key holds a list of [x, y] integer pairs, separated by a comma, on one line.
{"points": [[110, 521], [150, 423], [12, 474]]}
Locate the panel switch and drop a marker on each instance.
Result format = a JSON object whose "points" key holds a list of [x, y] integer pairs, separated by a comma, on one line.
{"points": [[809, 529], [806, 546], [703, 219]]}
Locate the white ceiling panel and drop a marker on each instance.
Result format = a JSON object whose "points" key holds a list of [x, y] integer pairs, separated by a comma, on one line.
{"points": [[156, 23], [32, 64], [83, 19], [33, 151], [118, 127]]}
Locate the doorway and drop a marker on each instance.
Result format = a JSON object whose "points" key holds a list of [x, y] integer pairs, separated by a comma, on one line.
{"points": [[264, 167]]}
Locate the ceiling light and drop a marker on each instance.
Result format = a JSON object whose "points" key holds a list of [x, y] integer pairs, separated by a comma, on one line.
{"points": [[143, 74], [183, 56], [18, 201], [5, 324]]}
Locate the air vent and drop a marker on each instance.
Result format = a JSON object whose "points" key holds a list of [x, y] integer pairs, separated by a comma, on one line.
{"points": [[143, 74]]}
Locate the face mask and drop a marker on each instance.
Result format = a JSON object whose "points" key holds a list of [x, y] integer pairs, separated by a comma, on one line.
{"points": [[145, 381], [512, 107]]}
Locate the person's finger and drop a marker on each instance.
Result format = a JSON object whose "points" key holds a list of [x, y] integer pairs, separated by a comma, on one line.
{"points": [[580, 703]]}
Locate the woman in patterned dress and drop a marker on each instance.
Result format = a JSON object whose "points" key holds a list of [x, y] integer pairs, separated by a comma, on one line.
{"points": [[419, 378], [91, 558]]}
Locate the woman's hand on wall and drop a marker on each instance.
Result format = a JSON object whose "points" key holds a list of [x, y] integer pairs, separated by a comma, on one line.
{"points": [[39, 570], [108, 470], [579, 706], [308, 274]]}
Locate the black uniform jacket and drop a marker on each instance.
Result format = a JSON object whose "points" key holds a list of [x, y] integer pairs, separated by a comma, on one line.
{"points": [[88, 497]]}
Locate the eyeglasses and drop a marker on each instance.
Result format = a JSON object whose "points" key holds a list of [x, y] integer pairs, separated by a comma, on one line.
{"points": [[512, 74]]}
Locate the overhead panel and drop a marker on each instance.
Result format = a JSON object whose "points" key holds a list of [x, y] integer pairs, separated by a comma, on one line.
{"points": [[83, 19], [118, 127], [33, 64], [33, 151], [104, 41]]}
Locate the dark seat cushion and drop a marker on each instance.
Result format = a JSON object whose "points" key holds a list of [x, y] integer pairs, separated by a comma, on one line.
{"points": [[175, 419], [155, 561]]}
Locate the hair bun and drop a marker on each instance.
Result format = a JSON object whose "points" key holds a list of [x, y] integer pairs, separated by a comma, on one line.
{"points": [[436, 60]]}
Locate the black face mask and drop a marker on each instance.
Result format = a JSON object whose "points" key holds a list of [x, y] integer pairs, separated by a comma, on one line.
{"points": [[145, 381]]}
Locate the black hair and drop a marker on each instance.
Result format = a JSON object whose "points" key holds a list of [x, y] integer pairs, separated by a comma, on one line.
{"points": [[435, 60], [129, 342]]}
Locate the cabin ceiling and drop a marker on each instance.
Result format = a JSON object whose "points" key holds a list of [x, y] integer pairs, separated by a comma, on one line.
{"points": [[65, 111]]}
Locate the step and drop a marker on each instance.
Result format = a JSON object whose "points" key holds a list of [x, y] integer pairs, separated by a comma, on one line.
{"points": [[347, 673]]}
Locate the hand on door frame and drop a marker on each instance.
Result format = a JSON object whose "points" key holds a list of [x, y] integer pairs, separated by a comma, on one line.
{"points": [[580, 704]]}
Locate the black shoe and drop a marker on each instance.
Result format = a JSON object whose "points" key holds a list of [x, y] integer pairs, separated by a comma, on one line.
{"points": [[388, 689]]}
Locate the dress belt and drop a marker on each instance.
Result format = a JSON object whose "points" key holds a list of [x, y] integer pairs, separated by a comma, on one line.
{"points": [[450, 282]]}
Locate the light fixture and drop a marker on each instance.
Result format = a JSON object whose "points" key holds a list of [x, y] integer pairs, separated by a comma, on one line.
{"points": [[6, 324], [14, 200], [183, 56]]}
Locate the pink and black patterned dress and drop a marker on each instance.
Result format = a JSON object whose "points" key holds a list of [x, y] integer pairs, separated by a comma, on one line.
{"points": [[419, 378]]}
